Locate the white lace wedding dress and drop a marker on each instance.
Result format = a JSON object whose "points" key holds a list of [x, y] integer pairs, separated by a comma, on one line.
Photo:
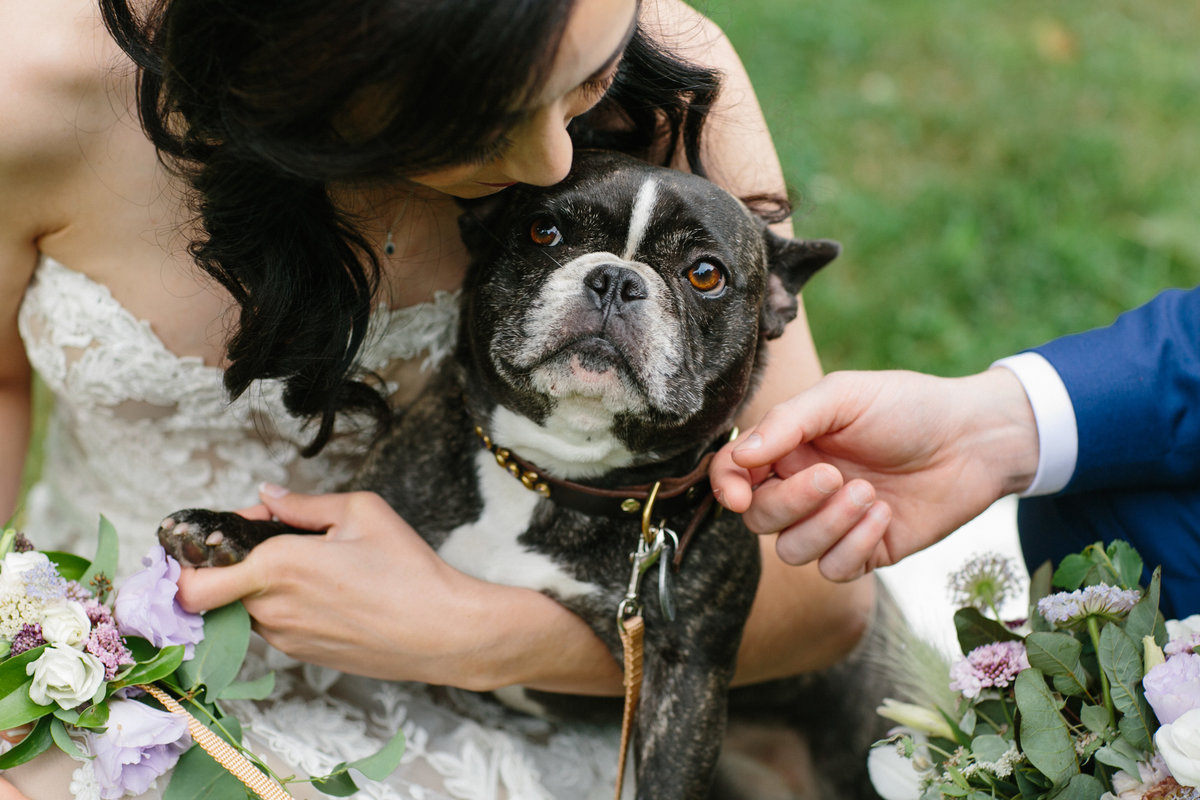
{"points": [[137, 432]]}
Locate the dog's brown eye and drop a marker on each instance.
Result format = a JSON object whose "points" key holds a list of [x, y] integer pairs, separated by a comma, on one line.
{"points": [[706, 277], [544, 233]]}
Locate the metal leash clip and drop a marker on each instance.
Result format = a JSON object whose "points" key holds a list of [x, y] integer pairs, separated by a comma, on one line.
{"points": [[656, 544]]}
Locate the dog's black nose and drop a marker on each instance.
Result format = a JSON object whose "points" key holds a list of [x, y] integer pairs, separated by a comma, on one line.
{"points": [[613, 286]]}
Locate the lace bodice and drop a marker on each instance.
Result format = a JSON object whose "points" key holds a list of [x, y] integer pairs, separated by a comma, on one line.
{"points": [[138, 431]]}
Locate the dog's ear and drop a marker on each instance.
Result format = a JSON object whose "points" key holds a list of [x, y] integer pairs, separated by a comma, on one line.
{"points": [[477, 224], [790, 263]]}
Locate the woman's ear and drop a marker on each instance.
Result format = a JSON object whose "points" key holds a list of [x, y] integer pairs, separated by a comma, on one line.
{"points": [[790, 263]]}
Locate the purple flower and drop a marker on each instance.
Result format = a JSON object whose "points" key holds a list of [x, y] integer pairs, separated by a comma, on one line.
{"points": [[97, 612], [146, 605], [140, 744], [1173, 687], [995, 664], [1186, 644], [105, 643], [29, 637]]}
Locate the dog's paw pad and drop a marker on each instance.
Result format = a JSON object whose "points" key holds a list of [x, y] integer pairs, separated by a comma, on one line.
{"points": [[201, 538]]}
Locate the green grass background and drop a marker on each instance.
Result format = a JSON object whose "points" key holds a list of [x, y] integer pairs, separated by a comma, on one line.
{"points": [[999, 173]]}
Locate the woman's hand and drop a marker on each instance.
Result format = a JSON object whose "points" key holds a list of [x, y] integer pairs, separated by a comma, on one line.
{"points": [[868, 467], [371, 597]]}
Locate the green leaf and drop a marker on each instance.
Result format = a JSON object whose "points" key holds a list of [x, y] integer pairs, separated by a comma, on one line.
{"points": [[976, 630], [1144, 619], [1072, 571], [161, 665], [1095, 718], [58, 732], [105, 562], [257, 689], [1121, 661], [1115, 757], [16, 707], [337, 783], [220, 655], [989, 747], [1081, 787], [197, 777], [380, 765], [1057, 655], [36, 742], [1045, 738], [1127, 563], [94, 716], [69, 565]]}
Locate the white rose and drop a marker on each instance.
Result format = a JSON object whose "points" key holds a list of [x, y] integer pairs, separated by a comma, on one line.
{"points": [[1183, 628], [1179, 746], [14, 566], [65, 676], [66, 623]]}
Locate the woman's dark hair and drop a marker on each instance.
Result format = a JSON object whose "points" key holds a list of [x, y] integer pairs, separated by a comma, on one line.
{"points": [[262, 104]]}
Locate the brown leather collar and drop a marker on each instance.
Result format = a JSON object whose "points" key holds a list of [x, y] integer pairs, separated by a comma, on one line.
{"points": [[679, 495]]}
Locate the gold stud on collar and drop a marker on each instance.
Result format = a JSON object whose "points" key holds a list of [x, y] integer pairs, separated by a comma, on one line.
{"points": [[630, 505]]}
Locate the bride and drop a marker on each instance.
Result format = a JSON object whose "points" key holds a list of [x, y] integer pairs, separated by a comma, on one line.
{"points": [[206, 291]]}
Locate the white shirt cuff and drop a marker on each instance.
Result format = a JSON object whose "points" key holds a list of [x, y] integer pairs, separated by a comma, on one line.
{"points": [[1058, 437]]}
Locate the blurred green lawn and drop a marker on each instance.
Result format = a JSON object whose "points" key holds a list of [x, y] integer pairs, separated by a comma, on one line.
{"points": [[998, 173]]}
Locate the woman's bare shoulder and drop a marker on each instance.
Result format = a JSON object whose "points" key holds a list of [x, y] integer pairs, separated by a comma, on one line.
{"points": [[62, 78]]}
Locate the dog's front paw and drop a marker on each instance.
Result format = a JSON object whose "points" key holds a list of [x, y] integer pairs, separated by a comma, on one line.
{"points": [[198, 537]]}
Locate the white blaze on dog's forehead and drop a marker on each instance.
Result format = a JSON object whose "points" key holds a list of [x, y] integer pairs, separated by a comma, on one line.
{"points": [[639, 217], [488, 548]]}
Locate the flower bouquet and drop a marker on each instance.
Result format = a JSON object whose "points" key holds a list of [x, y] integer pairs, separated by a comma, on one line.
{"points": [[1094, 696], [90, 669]]}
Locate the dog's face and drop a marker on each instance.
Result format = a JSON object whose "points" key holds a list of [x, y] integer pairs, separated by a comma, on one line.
{"points": [[623, 308]]}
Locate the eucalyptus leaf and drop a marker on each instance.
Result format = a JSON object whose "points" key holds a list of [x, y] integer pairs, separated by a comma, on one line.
{"points": [[219, 656], [338, 783], [257, 689], [1144, 618], [1057, 655], [36, 742], [1127, 562], [1040, 585], [383, 763], [976, 630], [989, 747], [1045, 738], [1095, 718], [1081, 787], [58, 732], [197, 777], [1121, 660], [1114, 758], [1072, 571], [107, 546]]}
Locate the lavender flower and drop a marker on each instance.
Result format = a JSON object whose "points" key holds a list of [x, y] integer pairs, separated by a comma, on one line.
{"points": [[42, 582], [29, 637], [1067, 609], [990, 665], [1173, 687], [140, 744], [106, 644], [146, 605]]}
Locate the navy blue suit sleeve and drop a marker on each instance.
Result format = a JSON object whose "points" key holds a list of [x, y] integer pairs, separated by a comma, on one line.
{"points": [[1135, 387]]}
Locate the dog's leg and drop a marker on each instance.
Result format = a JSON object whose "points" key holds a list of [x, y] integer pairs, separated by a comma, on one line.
{"points": [[198, 537]]}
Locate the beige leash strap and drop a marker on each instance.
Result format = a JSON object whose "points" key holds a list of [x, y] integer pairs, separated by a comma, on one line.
{"points": [[631, 629], [221, 751]]}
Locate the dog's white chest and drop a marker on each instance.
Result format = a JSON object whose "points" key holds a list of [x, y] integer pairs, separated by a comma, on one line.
{"points": [[488, 548]]}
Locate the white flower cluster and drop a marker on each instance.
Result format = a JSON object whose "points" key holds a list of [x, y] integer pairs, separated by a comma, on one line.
{"points": [[1098, 600], [64, 673]]}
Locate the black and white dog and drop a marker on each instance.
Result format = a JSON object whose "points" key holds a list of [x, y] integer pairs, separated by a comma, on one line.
{"points": [[610, 331]]}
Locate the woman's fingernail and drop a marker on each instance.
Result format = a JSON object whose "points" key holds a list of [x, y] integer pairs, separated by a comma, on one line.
{"points": [[860, 494], [751, 442], [825, 482], [271, 490]]}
